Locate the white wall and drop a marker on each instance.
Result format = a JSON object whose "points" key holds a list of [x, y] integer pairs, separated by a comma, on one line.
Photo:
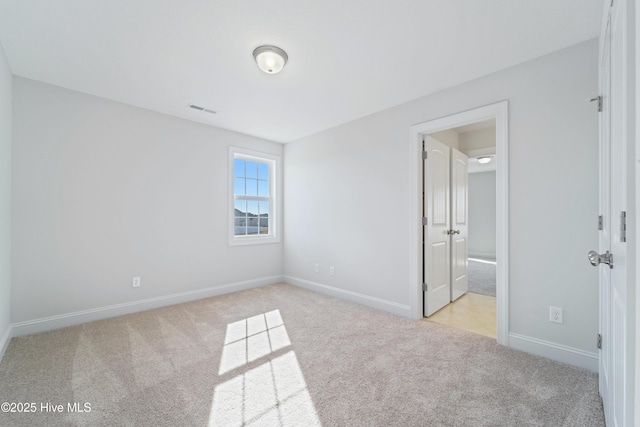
{"points": [[347, 197], [5, 199], [448, 137], [482, 214], [104, 192], [477, 139]]}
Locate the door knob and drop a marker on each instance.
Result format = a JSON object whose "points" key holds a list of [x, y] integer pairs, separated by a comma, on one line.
{"points": [[596, 259], [450, 232]]}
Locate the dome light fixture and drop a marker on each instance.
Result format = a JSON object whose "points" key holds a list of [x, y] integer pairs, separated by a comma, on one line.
{"points": [[270, 59], [484, 159]]}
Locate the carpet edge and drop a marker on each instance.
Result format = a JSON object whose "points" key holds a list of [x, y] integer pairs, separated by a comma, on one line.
{"points": [[358, 298], [5, 340], [78, 317], [558, 352]]}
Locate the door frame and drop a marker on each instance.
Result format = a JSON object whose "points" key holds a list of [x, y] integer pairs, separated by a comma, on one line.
{"points": [[499, 112]]}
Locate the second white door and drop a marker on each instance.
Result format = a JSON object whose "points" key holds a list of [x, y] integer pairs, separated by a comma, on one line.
{"points": [[459, 224]]}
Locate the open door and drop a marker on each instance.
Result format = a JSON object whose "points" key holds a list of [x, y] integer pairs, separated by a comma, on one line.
{"points": [[446, 231], [436, 208], [611, 257], [604, 244], [459, 223]]}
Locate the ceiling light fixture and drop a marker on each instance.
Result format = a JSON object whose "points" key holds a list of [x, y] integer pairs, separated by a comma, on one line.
{"points": [[270, 59], [484, 159]]}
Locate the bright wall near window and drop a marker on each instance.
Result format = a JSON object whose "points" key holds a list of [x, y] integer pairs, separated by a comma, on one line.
{"points": [[5, 194], [347, 196], [105, 192]]}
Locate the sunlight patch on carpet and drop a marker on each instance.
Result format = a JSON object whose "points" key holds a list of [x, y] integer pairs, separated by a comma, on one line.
{"points": [[272, 393]]}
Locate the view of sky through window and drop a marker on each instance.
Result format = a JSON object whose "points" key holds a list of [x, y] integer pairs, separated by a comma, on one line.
{"points": [[251, 197]]}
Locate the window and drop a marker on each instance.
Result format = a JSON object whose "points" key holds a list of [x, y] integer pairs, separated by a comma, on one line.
{"points": [[252, 192]]}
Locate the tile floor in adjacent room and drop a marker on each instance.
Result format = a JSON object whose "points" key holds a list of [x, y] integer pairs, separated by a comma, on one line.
{"points": [[471, 312]]}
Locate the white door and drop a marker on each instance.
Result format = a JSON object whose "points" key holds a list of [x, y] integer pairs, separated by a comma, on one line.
{"points": [[605, 212], [613, 187], [436, 205], [459, 223]]}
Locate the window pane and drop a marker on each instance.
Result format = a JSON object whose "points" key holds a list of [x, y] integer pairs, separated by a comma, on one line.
{"points": [[252, 169], [252, 207], [264, 208], [264, 225], [240, 226], [263, 188], [238, 186], [253, 197], [238, 167], [263, 171], [252, 225], [240, 207], [252, 187]]}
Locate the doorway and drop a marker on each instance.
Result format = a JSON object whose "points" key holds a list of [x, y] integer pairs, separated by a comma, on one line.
{"points": [[470, 303], [499, 114]]}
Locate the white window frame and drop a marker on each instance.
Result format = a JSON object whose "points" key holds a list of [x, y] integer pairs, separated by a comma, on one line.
{"points": [[274, 181]]}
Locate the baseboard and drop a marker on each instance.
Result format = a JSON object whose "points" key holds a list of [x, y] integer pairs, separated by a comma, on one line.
{"points": [[369, 301], [558, 352], [79, 317], [481, 255], [5, 340]]}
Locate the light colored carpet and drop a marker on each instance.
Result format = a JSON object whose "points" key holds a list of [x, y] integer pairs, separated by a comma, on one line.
{"points": [[281, 355], [482, 277]]}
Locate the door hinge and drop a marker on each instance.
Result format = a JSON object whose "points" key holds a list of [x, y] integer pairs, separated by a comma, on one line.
{"points": [[599, 100], [599, 341], [600, 223], [425, 155], [425, 288], [623, 226], [424, 220]]}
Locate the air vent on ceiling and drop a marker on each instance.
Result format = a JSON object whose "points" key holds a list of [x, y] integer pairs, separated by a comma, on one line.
{"points": [[199, 108]]}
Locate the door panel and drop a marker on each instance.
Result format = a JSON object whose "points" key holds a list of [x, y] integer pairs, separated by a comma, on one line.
{"points": [[459, 224], [439, 185], [618, 171], [437, 251], [605, 210], [613, 203]]}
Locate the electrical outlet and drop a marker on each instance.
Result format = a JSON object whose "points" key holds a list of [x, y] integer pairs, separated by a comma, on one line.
{"points": [[555, 314], [316, 267], [136, 282], [332, 271]]}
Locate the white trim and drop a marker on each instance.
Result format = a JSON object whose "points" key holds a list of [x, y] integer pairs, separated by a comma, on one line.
{"points": [[634, 279], [373, 302], [499, 112], [84, 316], [557, 352], [5, 340], [275, 185]]}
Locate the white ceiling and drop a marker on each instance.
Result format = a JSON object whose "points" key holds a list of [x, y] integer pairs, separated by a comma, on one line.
{"points": [[476, 126], [347, 58]]}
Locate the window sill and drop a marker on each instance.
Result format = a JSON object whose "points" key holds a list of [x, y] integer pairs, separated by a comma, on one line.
{"points": [[243, 241]]}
